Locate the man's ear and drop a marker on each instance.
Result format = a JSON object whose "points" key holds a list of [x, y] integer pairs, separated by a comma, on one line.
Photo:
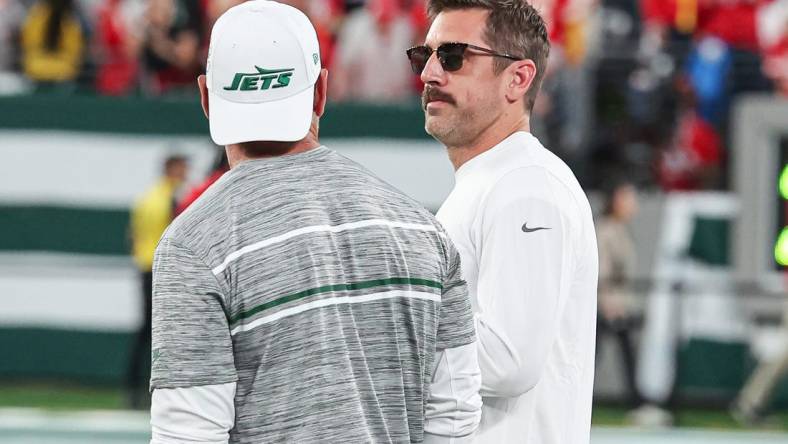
{"points": [[521, 76], [321, 93], [203, 87]]}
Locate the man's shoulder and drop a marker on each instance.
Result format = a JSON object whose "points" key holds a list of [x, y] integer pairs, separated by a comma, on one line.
{"points": [[176, 233], [534, 180], [202, 221], [361, 179], [544, 179], [540, 157]]}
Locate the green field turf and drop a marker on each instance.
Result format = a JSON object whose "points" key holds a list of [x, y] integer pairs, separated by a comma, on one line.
{"points": [[692, 418], [74, 397], [61, 397]]}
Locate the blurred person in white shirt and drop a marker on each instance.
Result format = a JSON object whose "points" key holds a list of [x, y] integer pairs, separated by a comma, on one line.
{"points": [[368, 60], [617, 260]]}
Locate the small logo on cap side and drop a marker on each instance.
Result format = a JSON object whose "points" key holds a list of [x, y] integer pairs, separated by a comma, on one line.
{"points": [[261, 80], [315, 57]]}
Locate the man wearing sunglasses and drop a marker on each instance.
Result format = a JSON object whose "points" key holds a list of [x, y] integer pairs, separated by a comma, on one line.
{"points": [[519, 218]]}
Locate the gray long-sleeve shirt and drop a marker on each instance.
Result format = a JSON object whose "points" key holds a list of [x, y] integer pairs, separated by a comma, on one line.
{"points": [[316, 288]]}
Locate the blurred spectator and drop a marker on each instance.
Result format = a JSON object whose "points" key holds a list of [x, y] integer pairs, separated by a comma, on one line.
{"points": [[118, 43], [325, 17], [724, 33], [171, 49], [53, 42], [733, 21], [370, 51], [220, 166], [11, 16], [213, 9], [616, 274], [773, 35], [417, 14], [564, 107], [692, 159], [416, 10], [150, 216]]}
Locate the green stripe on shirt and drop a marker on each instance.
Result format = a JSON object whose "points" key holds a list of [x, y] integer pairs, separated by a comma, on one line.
{"points": [[331, 288]]}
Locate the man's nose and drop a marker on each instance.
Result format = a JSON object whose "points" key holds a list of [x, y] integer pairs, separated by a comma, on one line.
{"points": [[433, 73]]}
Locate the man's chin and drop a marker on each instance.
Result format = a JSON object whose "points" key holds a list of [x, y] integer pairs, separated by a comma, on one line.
{"points": [[429, 126], [435, 130]]}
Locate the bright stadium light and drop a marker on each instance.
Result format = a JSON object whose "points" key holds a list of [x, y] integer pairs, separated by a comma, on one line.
{"points": [[781, 249]]}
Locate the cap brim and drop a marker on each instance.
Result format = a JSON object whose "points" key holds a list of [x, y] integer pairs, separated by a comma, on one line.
{"points": [[286, 120]]}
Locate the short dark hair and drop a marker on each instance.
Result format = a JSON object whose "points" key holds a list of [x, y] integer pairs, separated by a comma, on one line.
{"points": [[173, 160], [615, 181], [513, 27]]}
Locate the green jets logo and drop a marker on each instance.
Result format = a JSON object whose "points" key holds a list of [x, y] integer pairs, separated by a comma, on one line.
{"points": [[261, 80]]}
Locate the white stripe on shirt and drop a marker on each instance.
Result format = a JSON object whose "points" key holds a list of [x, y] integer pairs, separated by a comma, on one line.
{"points": [[336, 301], [318, 228]]}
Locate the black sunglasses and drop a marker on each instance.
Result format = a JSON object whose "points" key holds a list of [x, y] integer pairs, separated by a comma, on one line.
{"points": [[450, 55]]}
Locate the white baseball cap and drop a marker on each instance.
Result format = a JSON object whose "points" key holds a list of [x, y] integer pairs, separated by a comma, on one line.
{"points": [[263, 62]]}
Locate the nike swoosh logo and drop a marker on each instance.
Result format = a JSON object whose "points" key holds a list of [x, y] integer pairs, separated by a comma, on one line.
{"points": [[531, 230], [271, 71]]}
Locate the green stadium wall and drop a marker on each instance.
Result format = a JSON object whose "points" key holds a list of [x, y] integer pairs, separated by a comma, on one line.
{"points": [[70, 170]]}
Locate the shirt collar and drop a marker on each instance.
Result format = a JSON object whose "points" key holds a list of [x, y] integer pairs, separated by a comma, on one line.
{"points": [[314, 153], [493, 155]]}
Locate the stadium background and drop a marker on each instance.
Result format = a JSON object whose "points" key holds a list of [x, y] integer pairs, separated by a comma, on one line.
{"points": [[704, 136]]}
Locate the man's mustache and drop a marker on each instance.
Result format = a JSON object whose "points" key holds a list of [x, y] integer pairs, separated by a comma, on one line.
{"points": [[431, 94]]}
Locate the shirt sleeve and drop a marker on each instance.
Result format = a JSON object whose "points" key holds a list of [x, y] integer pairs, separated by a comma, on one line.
{"points": [[191, 339], [203, 414], [455, 325], [454, 409], [523, 268]]}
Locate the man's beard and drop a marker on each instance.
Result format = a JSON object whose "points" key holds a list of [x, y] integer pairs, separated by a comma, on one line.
{"points": [[442, 126], [457, 126]]}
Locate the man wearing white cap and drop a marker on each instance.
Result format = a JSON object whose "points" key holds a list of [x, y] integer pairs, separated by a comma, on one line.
{"points": [[300, 298]]}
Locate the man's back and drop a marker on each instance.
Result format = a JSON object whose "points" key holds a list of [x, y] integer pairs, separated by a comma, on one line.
{"points": [[322, 291]]}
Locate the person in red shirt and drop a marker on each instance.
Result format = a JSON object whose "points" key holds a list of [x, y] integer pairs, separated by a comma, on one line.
{"points": [[220, 166], [118, 43], [733, 21]]}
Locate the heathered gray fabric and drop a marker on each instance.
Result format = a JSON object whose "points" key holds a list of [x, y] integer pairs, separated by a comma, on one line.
{"points": [[342, 371]]}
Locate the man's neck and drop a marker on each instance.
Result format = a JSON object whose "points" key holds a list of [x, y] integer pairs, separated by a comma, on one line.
{"points": [[239, 153], [490, 137]]}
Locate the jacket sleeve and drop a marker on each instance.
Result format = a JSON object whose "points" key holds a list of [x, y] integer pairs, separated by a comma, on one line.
{"points": [[523, 269], [203, 414], [454, 407]]}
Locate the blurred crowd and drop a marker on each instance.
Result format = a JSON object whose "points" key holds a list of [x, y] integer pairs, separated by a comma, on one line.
{"points": [[154, 47], [638, 85]]}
